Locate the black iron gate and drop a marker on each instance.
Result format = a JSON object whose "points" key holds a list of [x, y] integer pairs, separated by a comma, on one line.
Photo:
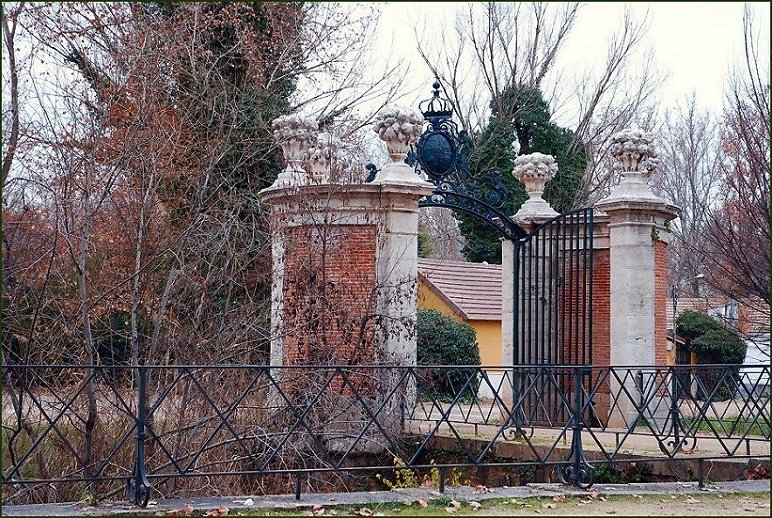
{"points": [[551, 264], [552, 311]]}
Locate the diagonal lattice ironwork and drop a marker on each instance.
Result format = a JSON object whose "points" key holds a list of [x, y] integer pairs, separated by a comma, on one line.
{"points": [[252, 422]]}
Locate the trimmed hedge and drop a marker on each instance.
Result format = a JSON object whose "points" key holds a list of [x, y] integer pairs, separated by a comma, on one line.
{"points": [[711, 340]]}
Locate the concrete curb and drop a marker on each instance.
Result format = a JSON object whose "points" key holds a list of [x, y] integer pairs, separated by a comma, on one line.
{"points": [[367, 498]]}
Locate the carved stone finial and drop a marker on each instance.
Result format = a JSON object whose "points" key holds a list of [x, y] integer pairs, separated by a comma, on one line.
{"points": [[321, 156], [534, 171], [636, 159], [635, 152], [294, 133], [398, 127]]}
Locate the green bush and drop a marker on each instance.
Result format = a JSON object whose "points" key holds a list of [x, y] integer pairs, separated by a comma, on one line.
{"points": [[714, 343], [691, 324], [719, 346], [711, 340], [443, 341]]}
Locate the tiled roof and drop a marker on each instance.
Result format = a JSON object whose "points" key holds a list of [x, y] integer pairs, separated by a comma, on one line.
{"points": [[473, 290]]}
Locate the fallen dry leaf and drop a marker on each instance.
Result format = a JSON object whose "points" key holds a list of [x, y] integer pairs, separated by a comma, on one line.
{"points": [[537, 511], [364, 511], [475, 505], [317, 507], [749, 508], [611, 511], [451, 510], [307, 513], [603, 499], [691, 500], [549, 506], [559, 498], [594, 494], [480, 489], [211, 512], [637, 496], [187, 510], [421, 503]]}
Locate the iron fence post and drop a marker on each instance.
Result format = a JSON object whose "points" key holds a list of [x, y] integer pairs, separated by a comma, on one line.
{"points": [[674, 417], [138, 486], [639, 383], [577, 472]]}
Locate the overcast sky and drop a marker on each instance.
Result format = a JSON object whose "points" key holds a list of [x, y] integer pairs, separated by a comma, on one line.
{"points": [[696, 43]]}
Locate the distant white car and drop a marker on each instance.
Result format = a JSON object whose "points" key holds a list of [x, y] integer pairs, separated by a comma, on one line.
{"points": [[755, 377]]}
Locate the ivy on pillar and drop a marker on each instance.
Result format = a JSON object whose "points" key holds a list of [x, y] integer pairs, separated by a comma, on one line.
{"points": [[345, 268]]}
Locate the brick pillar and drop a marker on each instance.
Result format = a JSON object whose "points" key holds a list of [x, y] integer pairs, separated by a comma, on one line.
{"points": [[344, 273], [638, 235], [345, 268]]}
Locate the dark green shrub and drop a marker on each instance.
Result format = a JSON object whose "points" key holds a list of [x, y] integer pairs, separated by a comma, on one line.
{"points": [[443, 341], [691, 324], [719, 346], [714, 343]]}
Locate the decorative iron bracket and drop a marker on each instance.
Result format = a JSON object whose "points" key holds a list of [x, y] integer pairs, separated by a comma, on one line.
{"points": [[441, 156]]}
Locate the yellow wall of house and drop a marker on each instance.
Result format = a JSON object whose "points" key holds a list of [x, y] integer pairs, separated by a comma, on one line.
{"points": [[488, 331], [428, 300], [489, 338]]}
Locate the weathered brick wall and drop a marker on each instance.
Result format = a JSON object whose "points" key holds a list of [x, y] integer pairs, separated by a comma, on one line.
{"points": [[601, 307], [329, 294]]}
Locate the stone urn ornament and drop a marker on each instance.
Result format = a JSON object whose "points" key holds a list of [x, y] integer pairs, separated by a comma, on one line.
{"points": [[637, 160], [634, 151], [399, 127], [534, 171], [295, 134], [322, 155]]}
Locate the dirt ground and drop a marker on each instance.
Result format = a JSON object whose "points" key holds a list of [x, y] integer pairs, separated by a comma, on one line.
{"points": [[709, 505], [705, 504]]}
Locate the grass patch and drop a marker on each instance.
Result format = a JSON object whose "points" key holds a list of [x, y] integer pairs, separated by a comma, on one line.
{"points": [[733, 427]]}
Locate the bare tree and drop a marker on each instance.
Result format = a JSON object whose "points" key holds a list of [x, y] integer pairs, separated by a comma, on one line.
{"points": [[730, 215], [501, 46], [689, 146]]}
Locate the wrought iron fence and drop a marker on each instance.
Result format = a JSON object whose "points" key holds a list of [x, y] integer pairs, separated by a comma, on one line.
{"points": [[172, 430]]}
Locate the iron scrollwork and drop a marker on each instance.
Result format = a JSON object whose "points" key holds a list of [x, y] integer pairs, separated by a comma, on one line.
{"points": [[441, 156]]}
